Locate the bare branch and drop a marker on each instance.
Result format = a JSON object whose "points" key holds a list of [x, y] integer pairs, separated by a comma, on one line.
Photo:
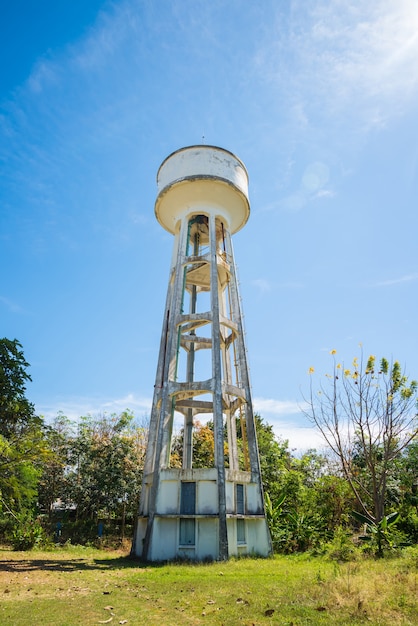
{"points": [[367, 416]]}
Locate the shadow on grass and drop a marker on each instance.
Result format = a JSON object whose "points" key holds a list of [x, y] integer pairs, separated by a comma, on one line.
{"points": [[55, 564]]}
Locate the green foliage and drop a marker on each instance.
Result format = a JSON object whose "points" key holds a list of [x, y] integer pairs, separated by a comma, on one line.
{"points": [[304, 531], [105, 460], [81, 531], [333, 499], [341, 547], [275, 458], [407, 474], [22, 441], [27, 533], [53, 480], [15, 409], [378, 533], [203, 446], [93, 472], [274, 519], [304, 514]]}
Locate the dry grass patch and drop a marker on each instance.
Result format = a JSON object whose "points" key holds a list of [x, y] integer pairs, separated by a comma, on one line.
{"points": [[383, 592]]}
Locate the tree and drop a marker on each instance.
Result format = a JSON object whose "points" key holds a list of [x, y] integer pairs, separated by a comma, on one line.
{"points": [[408, 492], [106, 461], [53, 480], [22, 442], [367, 416], [16, 412], [275, 457], [203, 446]]}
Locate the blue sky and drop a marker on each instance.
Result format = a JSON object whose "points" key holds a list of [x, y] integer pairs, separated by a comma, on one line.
{"points": [[319, 99]]}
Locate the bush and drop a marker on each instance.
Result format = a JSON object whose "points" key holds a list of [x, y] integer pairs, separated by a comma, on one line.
{"points": [[27, 533], [341, 547], [408, 524]]}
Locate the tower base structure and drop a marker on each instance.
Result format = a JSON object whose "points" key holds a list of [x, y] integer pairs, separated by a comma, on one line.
{"points": [[196, 535], [190, 511]]}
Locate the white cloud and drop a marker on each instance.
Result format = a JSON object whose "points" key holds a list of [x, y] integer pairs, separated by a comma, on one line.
{"points": [[92, 52], [325, 193], [352, 56], [12, 306], [299, 438], [277, 407], [408, 278], [44, 72], [112, 29], [366, 47], [300, 434], [262, 284], [76, 407]]}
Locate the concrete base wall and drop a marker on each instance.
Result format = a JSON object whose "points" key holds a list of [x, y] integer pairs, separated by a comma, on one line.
{"points": [[247, 529]]}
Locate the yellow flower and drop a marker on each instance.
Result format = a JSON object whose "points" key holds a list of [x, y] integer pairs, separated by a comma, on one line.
{"points": [[333, 352], [338, 366], [311, 370], [347, 372]]}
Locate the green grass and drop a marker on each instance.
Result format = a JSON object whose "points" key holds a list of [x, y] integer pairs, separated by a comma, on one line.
{"points": [[83, 586]]}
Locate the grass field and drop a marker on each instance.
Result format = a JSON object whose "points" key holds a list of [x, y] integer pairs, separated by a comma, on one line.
{"points": [[84, 586]]}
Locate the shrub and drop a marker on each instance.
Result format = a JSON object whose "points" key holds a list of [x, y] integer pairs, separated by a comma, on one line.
{"points": [[27, 533], [341, 547]]}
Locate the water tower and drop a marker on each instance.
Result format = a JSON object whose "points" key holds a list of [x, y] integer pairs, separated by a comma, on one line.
{"points": [[217, 511]]}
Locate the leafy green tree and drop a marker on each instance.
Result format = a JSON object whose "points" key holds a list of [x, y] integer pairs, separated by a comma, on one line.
{"points": [[408, 492], [313, 465], [203, 446], [275, 458], [367, 415], [333, 500], [106, 459], [53, 480], [408, 471], [22, 441], [16, 411]]}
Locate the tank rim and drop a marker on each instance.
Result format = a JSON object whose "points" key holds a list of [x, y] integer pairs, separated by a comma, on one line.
{"points": [[202, 146]]}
